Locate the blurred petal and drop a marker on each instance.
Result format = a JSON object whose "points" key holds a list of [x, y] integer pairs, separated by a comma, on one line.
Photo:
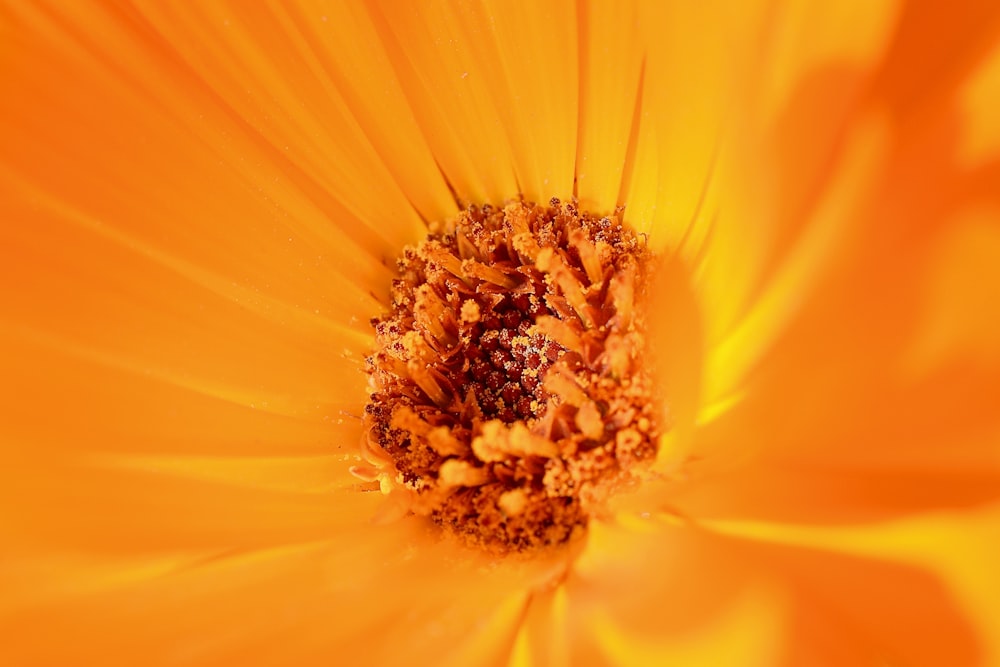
{"points": [[956, 550], [877, 399], [818, 247], [543, 638], [291, 605], [960, 324], [644, 592], [935, 46], [746, 633], [114, 509], [801, 90], [826, 598], [978, 98]]}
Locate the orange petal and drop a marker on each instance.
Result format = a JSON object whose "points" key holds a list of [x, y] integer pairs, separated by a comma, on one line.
{"points": [[980, 94], [611, 70], [934, 48], [635, 566], [440, 54], [746, 633], [736, 347], [268, 67], [543, 637], [912, 575], [823, 602], [92, 507], [887, 373], [533, 59], [961, 284], [223, 609]]}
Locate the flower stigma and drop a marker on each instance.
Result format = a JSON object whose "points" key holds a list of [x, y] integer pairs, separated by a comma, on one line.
{"points": [[508, 394]]}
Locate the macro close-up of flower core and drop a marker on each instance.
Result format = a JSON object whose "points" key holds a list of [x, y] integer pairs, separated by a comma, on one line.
{"points": [[497, 332]]}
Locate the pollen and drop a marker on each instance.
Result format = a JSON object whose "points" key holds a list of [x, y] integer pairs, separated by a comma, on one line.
{"points": [[508, 394]]}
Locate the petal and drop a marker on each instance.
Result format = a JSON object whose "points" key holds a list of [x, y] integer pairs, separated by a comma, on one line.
{"points": [[822, 596], [757, 204], [306, 604], [116, 509], [934, 48], [269, 68], [735, 353], [87, 332], [543, 638], [877, 400], [611, 71], [961, 283], [747, 633], [536, 57], [168, 285], [681, 114], [644, 592], [912, 567], [980, 94], [171, 285], [440, 54]]}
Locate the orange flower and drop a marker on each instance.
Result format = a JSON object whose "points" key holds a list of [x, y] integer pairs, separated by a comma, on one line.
{"points": [[199, 204]]}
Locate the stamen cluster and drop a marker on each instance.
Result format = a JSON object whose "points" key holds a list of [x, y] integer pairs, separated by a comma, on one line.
{"points": [[508, 395]]}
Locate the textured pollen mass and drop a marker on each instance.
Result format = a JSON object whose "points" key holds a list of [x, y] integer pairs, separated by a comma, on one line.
{"points": [[508, 392]]}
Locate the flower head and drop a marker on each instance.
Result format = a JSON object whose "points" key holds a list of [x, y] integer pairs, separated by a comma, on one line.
{"points": [[203, 206]]}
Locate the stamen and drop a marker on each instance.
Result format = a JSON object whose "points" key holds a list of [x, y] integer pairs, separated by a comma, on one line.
{"points": [[462, 473], [588, 256], [498, 443], [473, 269], [433, 314], [422, 375], [622, 292], [559, 331], [560, 381], [551, 263]]}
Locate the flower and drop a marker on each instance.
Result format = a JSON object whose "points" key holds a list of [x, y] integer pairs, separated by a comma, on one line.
{"points": [[201, 203]]}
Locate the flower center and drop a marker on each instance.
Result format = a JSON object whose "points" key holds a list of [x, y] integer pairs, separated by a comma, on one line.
{"points": [[508, 394]]}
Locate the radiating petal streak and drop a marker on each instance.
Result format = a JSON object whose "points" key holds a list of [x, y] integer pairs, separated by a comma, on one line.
{"points": [[258, 303], [277, 404]]}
